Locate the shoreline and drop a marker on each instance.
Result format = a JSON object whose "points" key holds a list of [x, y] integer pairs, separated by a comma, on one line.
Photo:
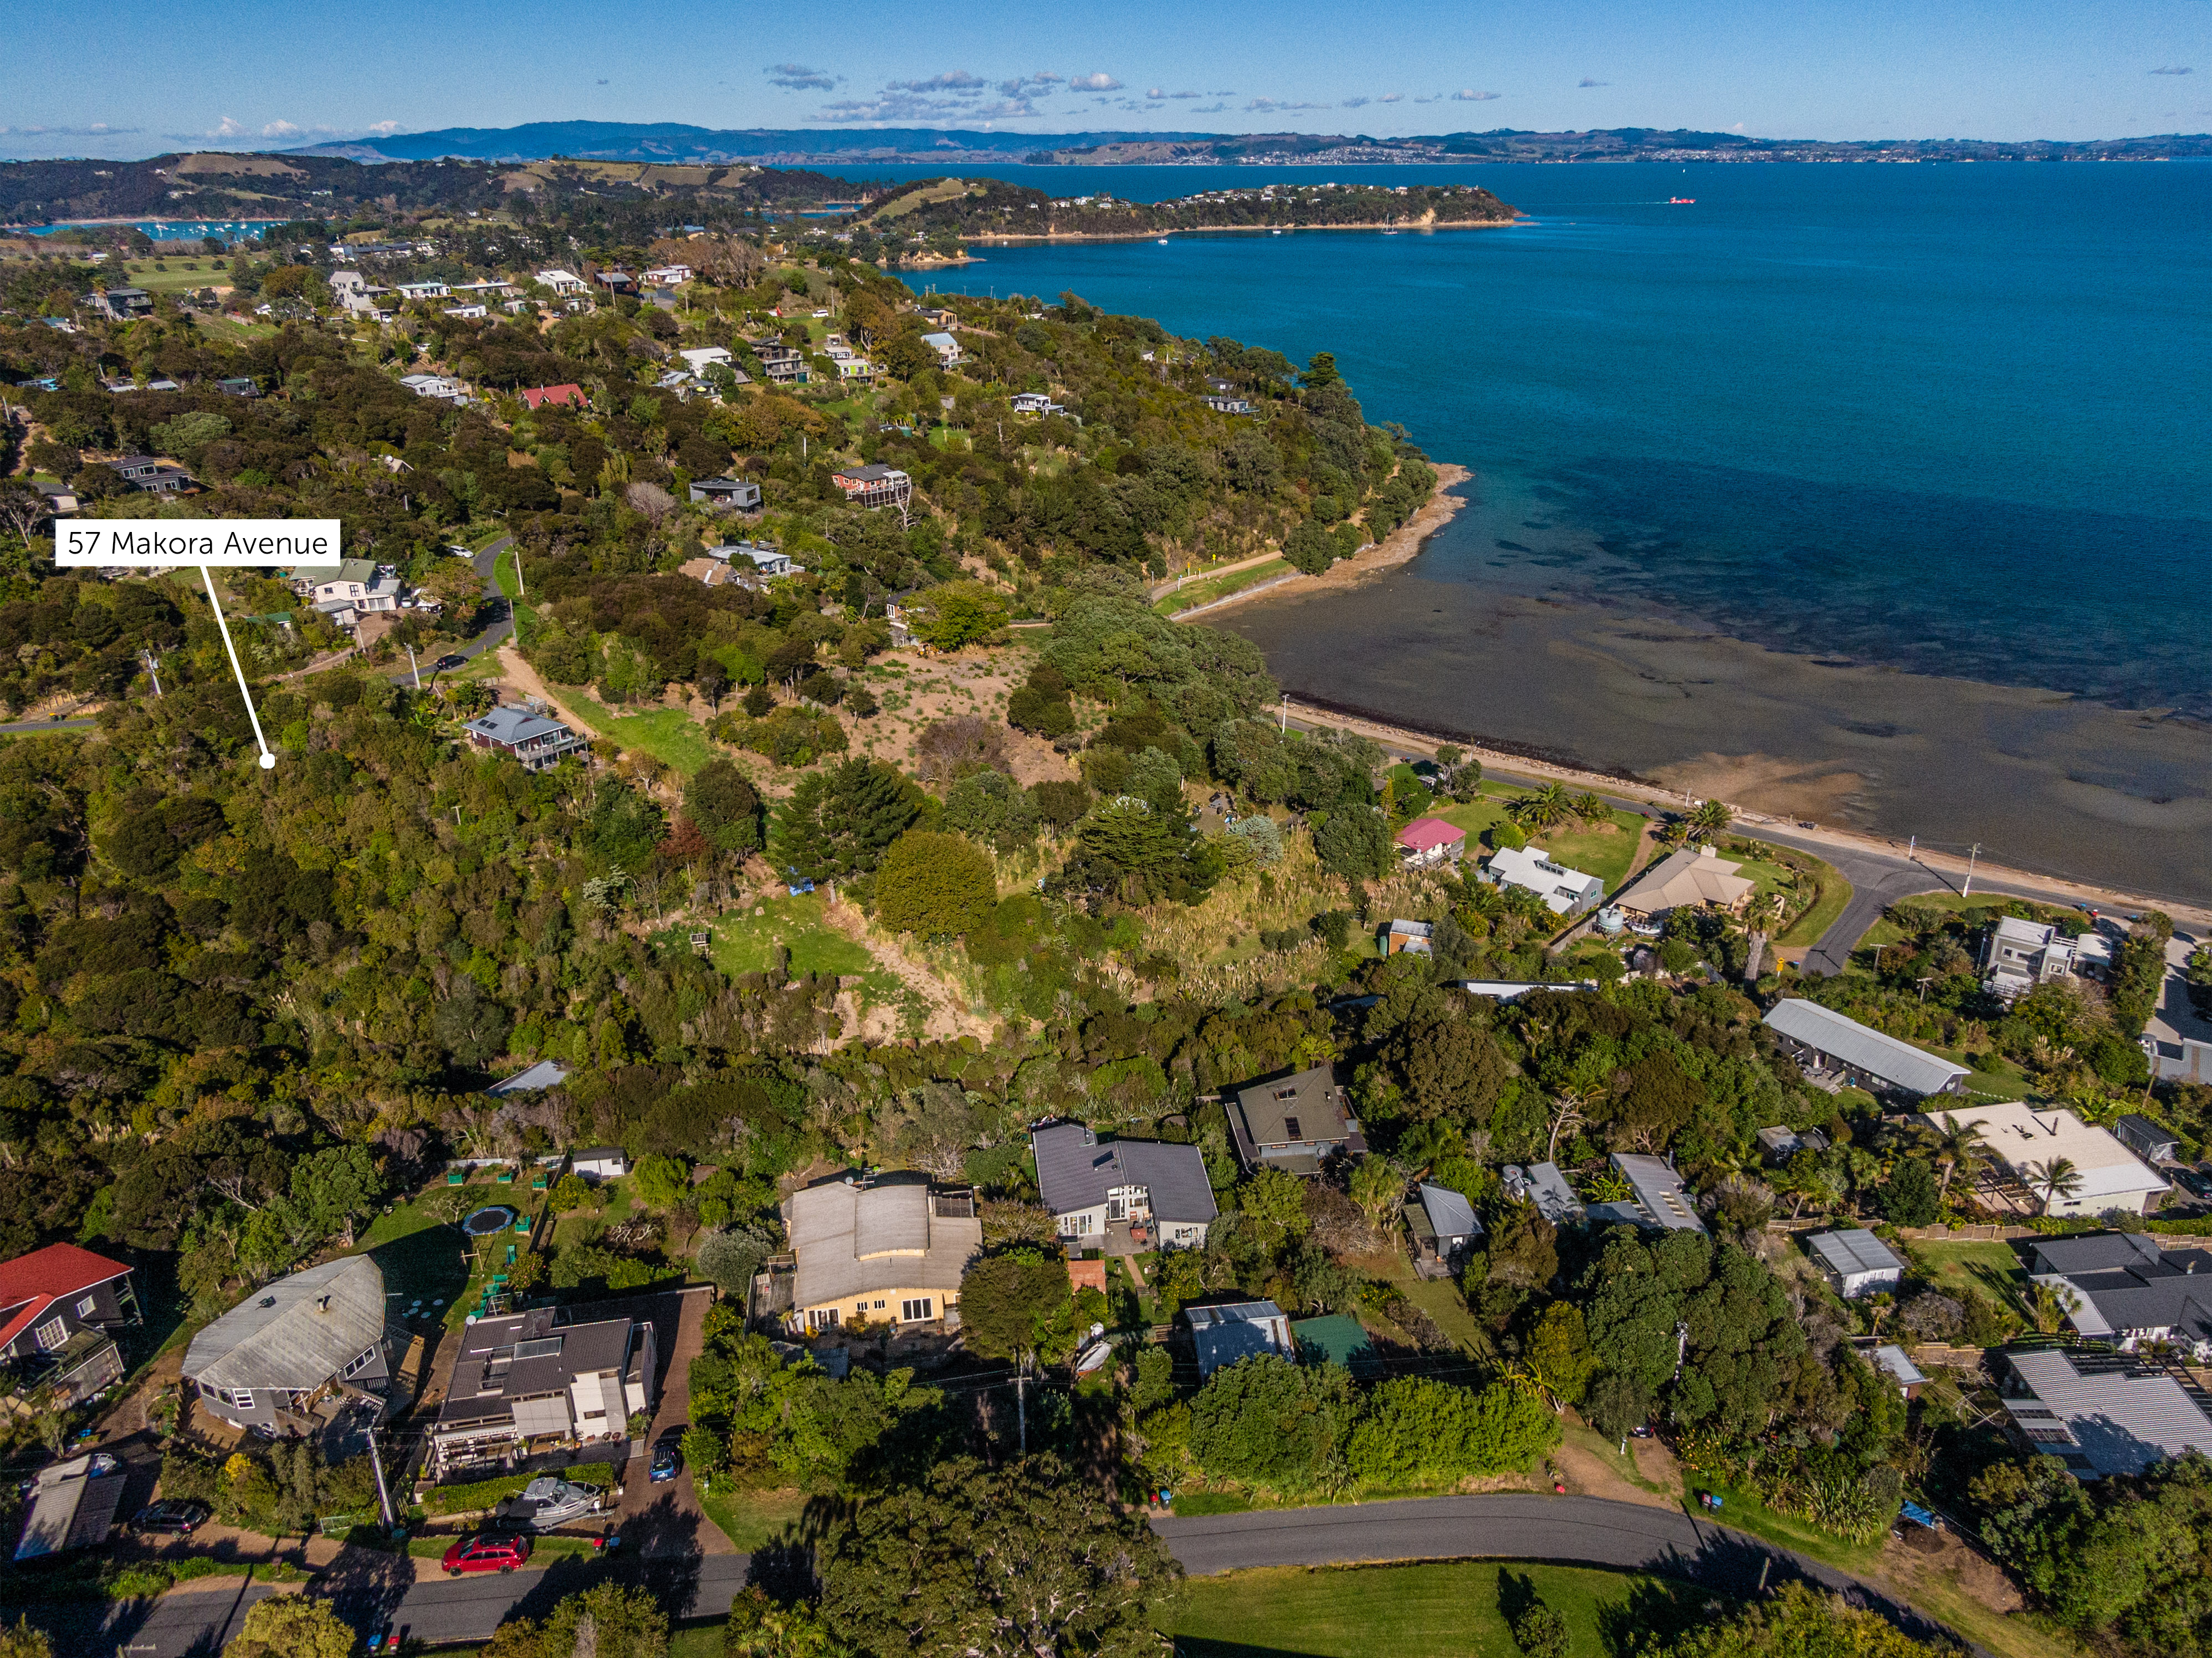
{"points": [[1407, 226], [1400, 547]]}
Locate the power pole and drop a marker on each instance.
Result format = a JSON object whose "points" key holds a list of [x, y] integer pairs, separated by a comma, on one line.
{"points": [[1285, 725], [414, 667], [1971, 856], [383, 1492], [1022, 1411]]}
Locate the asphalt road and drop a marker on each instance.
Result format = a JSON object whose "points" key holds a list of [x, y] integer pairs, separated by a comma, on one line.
{"points": [[501, 625]]}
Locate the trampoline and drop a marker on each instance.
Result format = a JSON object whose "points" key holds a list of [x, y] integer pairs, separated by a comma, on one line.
{"points": [[492, 1218]]}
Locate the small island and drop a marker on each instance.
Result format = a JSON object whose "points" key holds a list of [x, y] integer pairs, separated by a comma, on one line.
{"points": [[992, 211]]}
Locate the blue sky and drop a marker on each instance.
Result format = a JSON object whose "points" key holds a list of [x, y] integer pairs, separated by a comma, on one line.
{"points": [[255, 74]]}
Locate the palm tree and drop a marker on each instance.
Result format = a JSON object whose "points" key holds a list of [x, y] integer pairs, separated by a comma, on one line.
{"points": [[1589, 806], [2057, 1178], [1547, 806], [1710, 817], [2048, 1304], [1958, 1149]]}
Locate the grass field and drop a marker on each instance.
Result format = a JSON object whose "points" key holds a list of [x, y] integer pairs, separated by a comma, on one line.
{"points": [[1835, 894], [753, 1519], [420, 1256], [1192, 594], [744, 942], [1602, 852], [196, 270], [1987, 1264], [669, 735], [1454, 1609]]}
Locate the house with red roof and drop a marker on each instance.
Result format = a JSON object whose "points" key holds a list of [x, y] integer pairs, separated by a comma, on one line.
{"points": [[1427, 841], [561, 397], [57, 1307]]}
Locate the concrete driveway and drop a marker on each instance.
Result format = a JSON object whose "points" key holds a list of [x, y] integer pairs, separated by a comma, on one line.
{"points": [[666, 1520]]}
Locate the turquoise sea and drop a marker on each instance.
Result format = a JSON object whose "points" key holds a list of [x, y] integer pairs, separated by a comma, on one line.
{"points": [[1948, 421]]}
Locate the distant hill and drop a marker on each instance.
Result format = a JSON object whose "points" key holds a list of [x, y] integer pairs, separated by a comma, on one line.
{"points": [[671, 142]]}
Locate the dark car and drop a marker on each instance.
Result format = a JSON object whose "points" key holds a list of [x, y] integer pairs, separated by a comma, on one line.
{"points": [[176, 1516], [2196, 1184], [487, 1553], [448, 662], [666, 1461]]}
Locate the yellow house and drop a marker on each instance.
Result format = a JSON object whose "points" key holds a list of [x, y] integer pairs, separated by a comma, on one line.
{"points": [[887, 1252]]}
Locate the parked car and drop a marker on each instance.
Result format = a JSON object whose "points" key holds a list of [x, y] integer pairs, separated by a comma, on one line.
{"points": [[176, 1516], [448, 662], [2194, 1183], [666, 1461], [487, 1553], [547, 1501]]}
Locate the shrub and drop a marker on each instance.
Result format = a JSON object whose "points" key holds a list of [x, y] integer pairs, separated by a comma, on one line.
{"points": [[935, 884]]}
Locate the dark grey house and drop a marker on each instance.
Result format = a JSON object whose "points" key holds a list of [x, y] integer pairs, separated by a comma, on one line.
{"points": [[728, 492], [297, 1356], [1295, 1123], [529, 1382], [2121, 1288], [1091, 1188]]}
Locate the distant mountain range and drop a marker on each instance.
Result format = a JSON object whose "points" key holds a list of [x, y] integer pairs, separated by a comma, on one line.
{"points": [[672, 143]]}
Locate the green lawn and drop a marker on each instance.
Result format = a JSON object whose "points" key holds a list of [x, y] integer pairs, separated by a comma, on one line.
{"points": [[669, 735], [1604, 852], [1445, 1610], [753, 1519], [1205, 591], [177, 277], [1985, 1264], [421, 1256], [1835, 894], [743, 941]]}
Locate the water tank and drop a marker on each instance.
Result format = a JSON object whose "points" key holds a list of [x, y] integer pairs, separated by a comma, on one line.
{"points": [[1610, 921]]}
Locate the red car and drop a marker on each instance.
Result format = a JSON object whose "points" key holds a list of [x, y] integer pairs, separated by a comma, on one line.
{"points": [[486, 1554]]}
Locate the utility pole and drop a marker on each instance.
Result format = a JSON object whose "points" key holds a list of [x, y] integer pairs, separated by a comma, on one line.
{"points": [[1285, 725], [153, 670], [1912, 849], [414, 667], [1022, 1410], [1971, 856], [383, 1492]]}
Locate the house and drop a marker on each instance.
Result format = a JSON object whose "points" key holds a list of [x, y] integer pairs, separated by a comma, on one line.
{"points": [[616, 281], [1696, 877], [599, 1163], [728, 492], [1512, 990], [2188, 1060], [569, 396], [1427, 841], [1397, 937], [1659, 1202], [1778, 1145], [709, 573], [703, 357], [935, 316], [1035, 402], [666, 275], [2024, 1140], [860, 369], [1889, 1360], [1835, 1051], [1855, 1261], [1225, 1331], [2100, 1416], [765, 561], [884, 1252], [2153, 1142], [490, 288], [2018, 956], [412, 292], [947, 349], [1223, 405], [529, 1382], [1543, 1184], [874, 485], [1564, 891], [532, 738], [566, 284], [58, 1308], [1442, 1224], [546, 1073], [73, 1505], [1090, 1189], [123, 304], [471, 311], [2121, 1288], [153, 474], [295, 1354], [239, 386], [444, 386], [783, 366], [1295, 1123], [358, 587]]}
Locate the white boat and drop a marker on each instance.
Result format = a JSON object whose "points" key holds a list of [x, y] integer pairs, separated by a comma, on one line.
{"points": [[1164, 241]]}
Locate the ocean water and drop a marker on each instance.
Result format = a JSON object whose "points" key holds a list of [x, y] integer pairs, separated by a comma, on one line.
{"points": [[1878, 493]]}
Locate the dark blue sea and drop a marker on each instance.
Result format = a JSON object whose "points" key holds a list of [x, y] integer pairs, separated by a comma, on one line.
{"points": [[1950, 422]]}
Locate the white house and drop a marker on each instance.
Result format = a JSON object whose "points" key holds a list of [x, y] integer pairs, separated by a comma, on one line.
{"points": [[566, 284], [2019, 955], [413, 291], [703, 357], [667, 275], [1856, 1261], [1564, 891], [2027, 1141], [599, 1163], [947, 348]]}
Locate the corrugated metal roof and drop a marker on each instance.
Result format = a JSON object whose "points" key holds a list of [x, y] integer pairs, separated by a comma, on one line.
{"points": [[1852, 1251], [1448, 1212], [2119, 1423], [842, 1246], [1659, 1193], [1074, 1172], [296, 1332], [1884, 1058]]}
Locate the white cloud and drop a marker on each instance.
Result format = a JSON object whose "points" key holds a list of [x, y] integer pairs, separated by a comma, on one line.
{"points": [[1391, 98], [1023, 85], [1357, 103], [283, 130], [957, 80], [383, 129], [97, 130], [799, 78], [1470, 95], [1093, 83]]}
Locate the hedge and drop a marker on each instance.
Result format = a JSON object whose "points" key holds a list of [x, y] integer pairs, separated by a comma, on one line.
{"points": [[487, 1493]]}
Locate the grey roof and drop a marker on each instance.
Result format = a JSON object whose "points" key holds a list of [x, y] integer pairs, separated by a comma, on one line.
{"points": [[853, 1239], [2128, 1283], [1900, 1065], [296, 1332], [874, 473], [2186, 1060], [504, 1359], [73, 1506], [2108, 1419], [512, 724], [1449, 1213], [2143, 1131], [1852, 1251], [1546, 1188], [546, 1073], [1661, 1200], [1225, 1331], [1890, 1359], [1265, 1111], [1075, 1172]]}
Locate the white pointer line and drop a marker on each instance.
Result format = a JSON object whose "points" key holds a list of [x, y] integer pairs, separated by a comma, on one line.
{"points": [[268, 760]]}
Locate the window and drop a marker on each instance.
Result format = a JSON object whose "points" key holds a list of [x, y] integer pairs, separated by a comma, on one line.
{"points": [[360, 1364], [914, 1312], [86, 1307], [242, 1399], [52, 1333], [1291, 1129], [880, 1306]]}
